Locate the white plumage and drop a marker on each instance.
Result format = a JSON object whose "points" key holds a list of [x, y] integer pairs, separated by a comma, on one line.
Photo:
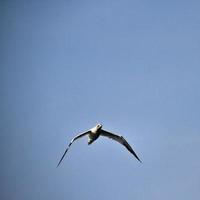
{"points": [[94, 133]]}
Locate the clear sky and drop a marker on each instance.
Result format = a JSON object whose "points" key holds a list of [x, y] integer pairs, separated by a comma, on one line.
{"points": [[133, 66]]}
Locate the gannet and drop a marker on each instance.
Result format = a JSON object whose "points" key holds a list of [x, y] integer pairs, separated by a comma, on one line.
{"points": [[94, 133]]}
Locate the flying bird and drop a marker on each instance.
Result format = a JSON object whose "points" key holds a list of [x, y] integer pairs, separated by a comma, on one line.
{"points": [[94, 133]]}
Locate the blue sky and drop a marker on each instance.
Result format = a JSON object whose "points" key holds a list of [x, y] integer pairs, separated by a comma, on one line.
{"points": [[131, 65]]}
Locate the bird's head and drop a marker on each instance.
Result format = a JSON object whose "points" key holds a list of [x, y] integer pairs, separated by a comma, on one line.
{"points": [[99, 126]]}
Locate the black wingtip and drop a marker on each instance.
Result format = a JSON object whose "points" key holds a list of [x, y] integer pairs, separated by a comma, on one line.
{"points": [[62, 157], [135, 155], [138, 159], [58, 165]]}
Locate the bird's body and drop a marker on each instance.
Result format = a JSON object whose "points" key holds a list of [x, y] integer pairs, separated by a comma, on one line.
{"points": [[94, 133]]}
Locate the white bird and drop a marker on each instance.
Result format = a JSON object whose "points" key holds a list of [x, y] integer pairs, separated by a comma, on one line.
{"points": [[94, 133]]}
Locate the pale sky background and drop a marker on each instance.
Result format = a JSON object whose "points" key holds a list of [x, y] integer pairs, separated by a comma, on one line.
{"points": [[133, 66]]}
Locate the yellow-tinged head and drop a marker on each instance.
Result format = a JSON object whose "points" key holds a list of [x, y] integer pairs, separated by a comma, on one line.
{"points": [[99, 126]]}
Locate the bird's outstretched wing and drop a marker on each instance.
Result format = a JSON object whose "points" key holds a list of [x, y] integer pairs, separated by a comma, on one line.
{"points": [[75, 138], [119, 139]]}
